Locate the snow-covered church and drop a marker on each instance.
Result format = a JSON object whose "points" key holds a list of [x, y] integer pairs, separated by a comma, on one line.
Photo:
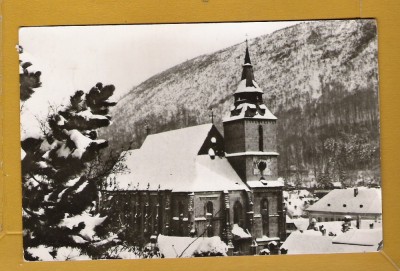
{"points": [[195, 182]]}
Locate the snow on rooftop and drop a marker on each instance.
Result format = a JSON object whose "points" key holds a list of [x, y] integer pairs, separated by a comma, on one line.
{"points": [[171, 160], [307, 243], [267, 183], [267, 115], [185, 247], [243, 88], [363, 237], [301, 223], [367, 201], [263, 153]]}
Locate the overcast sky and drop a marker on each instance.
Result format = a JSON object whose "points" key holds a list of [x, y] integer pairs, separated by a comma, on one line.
{"points": [[77, 57]]}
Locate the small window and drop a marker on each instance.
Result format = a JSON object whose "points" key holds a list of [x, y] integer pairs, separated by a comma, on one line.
{"points": [[260, 138], [344, 205], [329, 204], [361, 206]]}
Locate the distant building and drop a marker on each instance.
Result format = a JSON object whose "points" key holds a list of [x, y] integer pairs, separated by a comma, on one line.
{"points": [[359, 203], [316, 242], [195, 182]]}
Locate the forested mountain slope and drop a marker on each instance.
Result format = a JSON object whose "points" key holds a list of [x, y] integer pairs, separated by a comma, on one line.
{"points": [[319, 78]]}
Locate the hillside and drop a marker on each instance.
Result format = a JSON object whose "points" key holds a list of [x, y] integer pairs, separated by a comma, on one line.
{"points": [[319, 78]]}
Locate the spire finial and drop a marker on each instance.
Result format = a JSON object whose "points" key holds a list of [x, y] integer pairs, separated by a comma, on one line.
{"points": [[212, 116], [247, 56]]}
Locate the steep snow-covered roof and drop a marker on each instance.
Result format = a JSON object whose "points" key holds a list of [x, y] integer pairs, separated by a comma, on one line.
{"points": [[267, 115], [171, 160], [367, 201], [242, 87]]}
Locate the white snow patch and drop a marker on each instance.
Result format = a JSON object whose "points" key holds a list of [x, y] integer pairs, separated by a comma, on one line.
{"points": [[63, 151], [82, 186], [72, 182], [186, 247], [81, 142], [240, 232], [90, 223], [60, 195], [87, 115], [78, 239]]}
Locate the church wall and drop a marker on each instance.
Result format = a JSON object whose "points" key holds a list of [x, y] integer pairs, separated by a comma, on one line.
{"points": [[241, 197], [273, 214], [252, 135], [200, 213], [252, 171], [234, 136], [179, 214], [239, 165]]}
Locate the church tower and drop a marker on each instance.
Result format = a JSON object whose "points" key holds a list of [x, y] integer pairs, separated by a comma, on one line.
{"points": [[250, 131]]}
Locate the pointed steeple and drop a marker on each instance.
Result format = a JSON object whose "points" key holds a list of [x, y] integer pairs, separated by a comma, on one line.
{"points": [[247, 56], [247, 72], [248, 95]]}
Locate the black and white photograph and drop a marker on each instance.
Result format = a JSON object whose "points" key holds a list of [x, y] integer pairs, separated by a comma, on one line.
{"points": [[200, 140]]}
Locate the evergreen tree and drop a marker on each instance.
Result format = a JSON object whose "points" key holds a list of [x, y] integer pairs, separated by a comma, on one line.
{"points": [[59, 185], [28, 80]]}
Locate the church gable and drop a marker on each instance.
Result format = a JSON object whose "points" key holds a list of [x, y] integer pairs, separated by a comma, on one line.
{"points": [[213, 144]]}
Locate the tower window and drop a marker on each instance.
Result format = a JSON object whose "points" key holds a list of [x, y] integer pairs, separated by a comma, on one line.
{"points": [[260, 138]]}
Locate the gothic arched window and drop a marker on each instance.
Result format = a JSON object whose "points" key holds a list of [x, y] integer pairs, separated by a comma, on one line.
{"points": [[264, 216], [260, 138], [237, 213], [209, 208]]}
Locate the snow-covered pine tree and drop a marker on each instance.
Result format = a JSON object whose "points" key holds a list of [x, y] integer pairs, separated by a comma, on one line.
{"points": [[58, 195], [28, 80]]}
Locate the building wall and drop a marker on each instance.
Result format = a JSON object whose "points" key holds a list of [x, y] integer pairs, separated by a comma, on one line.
{"points": [[275, 216], [234, 136], [253, 173], [252, 135], [202, 220], [332, 216]]}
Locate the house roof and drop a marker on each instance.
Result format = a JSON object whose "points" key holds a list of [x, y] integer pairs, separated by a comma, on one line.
{"points": [[313, 242], [170, 160], [307, 243], [367, 201], [362, 237]]}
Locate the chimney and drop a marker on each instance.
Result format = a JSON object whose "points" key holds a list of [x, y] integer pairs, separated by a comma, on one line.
{"points": [[355, 192]]}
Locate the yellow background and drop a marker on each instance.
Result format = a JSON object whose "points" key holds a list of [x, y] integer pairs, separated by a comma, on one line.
{"points": [[16, 13]]}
